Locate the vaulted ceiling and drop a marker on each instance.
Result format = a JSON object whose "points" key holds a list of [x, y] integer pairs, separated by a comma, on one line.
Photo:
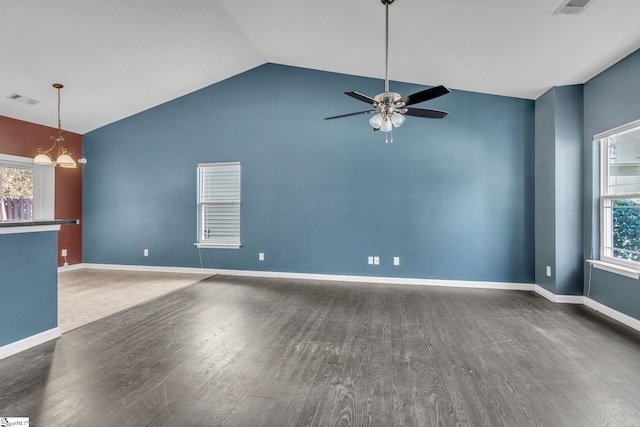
{"points": [[120, 57]]}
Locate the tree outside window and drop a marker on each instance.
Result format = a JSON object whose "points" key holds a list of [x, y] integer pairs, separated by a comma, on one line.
{"points": [[16, 191]]}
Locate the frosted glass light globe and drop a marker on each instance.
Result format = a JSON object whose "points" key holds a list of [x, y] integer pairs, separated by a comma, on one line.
{"points": [[376, 121], [65, 161], [397, 119], [386, 126], [42, 159]]}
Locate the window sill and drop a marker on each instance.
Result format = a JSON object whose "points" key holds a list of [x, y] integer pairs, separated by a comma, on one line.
{"points": [[633, 273], [217, 246]]}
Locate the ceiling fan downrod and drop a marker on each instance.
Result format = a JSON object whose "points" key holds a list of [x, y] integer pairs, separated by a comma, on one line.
{"points": [[390, 108], [386, 4]]}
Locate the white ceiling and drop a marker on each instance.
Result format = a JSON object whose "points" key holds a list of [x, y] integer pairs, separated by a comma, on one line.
{"points": [[120, 57]]}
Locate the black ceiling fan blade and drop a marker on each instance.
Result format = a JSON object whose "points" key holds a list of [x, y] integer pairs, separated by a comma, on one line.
{"points": [[360, 97], [425, 95], [350, 114], [429, 114]]}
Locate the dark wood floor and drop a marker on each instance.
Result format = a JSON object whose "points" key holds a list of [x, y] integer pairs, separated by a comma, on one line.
{"points": [[236, 351]]}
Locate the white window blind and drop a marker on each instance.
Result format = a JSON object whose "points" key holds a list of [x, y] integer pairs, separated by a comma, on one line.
{"points": [[219, 205]]}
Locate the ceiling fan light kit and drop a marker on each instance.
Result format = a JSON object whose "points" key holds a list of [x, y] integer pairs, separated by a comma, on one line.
{"points": [[390, 107]]}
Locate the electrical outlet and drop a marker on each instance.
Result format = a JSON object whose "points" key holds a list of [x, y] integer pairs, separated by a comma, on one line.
{"points": [[370, 260], [376, 260], [548, 270], [261, 256], [146, 252], [64, 252], [396, 260]]}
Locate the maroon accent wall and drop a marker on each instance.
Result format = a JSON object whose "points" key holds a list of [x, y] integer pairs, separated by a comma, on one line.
{"points": [[20, 138]]}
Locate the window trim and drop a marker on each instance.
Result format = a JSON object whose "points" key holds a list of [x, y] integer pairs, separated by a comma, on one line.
{"points": [[619, 129], [216, 244], [605, 262], [44, 184]]}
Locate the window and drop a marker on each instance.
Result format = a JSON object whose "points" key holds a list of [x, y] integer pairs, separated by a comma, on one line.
{"points": [[620, 195], [27, 191], [218, 205], [16, 192]]}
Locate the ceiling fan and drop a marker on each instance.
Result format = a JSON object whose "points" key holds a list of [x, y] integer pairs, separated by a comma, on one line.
{"points": [[390, 108]]}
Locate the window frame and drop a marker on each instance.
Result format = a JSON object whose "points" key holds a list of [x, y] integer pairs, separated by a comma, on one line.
{"points": [[201, 241], [43, 184], [606, 260]]}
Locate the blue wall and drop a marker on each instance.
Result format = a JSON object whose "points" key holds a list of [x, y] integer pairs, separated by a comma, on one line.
{"points": [[558, 173], [568, 179], [453, 198], [28, 284], [545, 190], [611, 99]]}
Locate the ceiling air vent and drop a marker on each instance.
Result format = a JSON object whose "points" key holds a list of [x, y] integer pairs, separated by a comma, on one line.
{"points": [[23, 99], [572, 7]]}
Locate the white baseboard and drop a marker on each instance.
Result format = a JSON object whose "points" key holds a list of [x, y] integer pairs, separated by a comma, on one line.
{"points": [[70, 268], [560, 299], [545, 293], [329, 277], [614, 314], [569, 299], [27, 343], [578, 299], [150, 268]]}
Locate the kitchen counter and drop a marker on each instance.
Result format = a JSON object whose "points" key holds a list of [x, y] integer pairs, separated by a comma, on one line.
{"points": [[31, 226], [28, 283]]}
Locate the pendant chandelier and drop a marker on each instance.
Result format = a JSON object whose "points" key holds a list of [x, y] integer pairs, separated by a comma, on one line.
{"points": [[64, 158]]}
